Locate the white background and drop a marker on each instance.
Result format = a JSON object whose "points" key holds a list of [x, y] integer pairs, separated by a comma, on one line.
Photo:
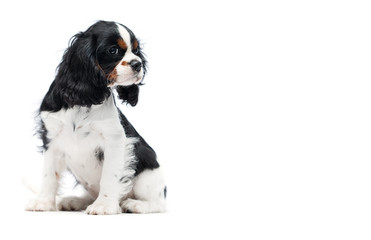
{"points": [[259, 112]]}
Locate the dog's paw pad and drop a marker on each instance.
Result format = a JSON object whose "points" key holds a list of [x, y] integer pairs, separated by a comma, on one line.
{"points": [[40, 205]]}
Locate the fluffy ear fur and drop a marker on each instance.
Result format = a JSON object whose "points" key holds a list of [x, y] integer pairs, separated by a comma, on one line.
{"points": [[128, 94], [79, 80], [83, 81]]}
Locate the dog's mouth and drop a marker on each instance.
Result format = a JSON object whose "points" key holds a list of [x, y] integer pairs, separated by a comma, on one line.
{"points": [[114, 79]]}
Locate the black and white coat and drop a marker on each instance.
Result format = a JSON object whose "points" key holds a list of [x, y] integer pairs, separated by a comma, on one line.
{"points": [[85, 133]]}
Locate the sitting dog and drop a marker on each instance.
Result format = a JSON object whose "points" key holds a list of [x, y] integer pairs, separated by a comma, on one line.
{"points": [[85, 133]]}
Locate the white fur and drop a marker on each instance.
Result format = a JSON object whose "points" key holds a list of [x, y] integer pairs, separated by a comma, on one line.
{"points": [[76, 133], [148, 193], [72, 203]]}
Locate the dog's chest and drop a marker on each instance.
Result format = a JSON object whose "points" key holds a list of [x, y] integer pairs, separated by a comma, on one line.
{"points": [[79, 136]]}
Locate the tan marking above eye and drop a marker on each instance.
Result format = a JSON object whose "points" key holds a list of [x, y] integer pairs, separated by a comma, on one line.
{"points": [[122, 43]]}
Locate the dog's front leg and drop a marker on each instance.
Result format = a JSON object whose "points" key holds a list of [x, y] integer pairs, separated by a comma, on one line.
{"points": [[52, 170], [116, 180]]}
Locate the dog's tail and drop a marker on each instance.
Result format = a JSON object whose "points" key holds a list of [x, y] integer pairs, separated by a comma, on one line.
{"points": [[33, 188]]}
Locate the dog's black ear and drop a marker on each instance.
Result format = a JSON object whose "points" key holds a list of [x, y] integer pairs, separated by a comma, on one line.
{"points": [[128, 94], [79, 80]]}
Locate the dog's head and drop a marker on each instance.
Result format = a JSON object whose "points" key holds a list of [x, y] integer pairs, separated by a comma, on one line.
{"points": [[118, 53], [107, 55]]}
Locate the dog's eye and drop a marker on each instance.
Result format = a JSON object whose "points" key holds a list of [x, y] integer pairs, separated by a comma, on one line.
{"points": [[113, 50], [136, 51]]}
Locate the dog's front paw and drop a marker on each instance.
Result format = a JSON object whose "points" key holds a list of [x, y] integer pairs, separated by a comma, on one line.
{"points": [[104, 207], [41, 205]]}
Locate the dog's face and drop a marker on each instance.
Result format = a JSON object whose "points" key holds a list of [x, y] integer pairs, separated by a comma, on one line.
{"points": [[106, 55], [118, 54]]}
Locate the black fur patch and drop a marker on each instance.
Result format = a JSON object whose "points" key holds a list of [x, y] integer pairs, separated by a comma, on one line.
{"points": [[128, 94], [42, 132], [144, 154], [99, 154], [165, 191]]}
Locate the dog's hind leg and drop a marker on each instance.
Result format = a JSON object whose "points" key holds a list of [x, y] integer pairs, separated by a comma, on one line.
{"points": [[148, 195], [74, 203]]}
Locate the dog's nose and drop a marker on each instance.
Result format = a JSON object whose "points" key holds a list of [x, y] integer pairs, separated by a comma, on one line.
{"points": [[136, 65]]}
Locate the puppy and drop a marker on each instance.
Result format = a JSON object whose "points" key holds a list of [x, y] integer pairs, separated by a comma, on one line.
{"points": [[84, 132]]}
